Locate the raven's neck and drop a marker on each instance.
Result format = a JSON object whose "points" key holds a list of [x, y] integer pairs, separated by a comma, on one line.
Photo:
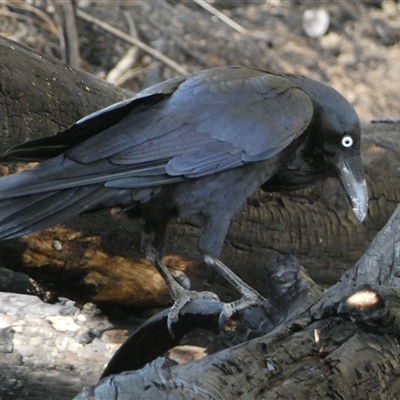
{"points": [[302, 165]]}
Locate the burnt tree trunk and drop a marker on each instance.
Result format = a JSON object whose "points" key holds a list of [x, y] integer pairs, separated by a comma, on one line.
{"points": [[40, 97], [342, 344]]}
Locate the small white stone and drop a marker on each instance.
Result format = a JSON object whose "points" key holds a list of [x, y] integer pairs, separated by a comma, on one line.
{"points": [[316, 22], [63, 324], [82, 318], [57, 245]]}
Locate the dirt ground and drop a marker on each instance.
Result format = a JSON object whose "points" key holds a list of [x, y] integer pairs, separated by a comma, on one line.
{"points": [[359, 54]]}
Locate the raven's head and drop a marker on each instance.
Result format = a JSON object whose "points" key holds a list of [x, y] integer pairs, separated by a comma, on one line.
{"points": [[340, 146], [336, 137]]}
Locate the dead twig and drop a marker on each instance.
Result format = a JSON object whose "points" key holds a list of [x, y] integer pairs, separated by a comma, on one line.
{"points": [[64, 15], [221, 16], [130, 39], [71, 33], [122, 71], [231, 22], [124, 65], [42, 18], [133, 73]]}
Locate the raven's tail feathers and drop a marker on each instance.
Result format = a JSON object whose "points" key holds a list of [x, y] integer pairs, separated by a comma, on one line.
{"points": [[28, 214]]}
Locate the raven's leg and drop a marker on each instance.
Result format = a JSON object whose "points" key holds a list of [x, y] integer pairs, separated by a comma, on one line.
{"points": [[152, 244], [250, 297], [210, 245]]}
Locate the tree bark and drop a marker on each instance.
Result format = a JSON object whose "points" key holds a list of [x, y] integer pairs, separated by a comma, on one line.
{"points": [[40, 97], [50, 351]]}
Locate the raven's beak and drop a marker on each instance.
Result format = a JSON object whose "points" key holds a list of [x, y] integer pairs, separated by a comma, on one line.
{"points": [[351, 175]]}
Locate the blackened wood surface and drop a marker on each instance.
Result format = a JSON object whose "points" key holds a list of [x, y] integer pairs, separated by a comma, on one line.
{"points": [[307, 356]]}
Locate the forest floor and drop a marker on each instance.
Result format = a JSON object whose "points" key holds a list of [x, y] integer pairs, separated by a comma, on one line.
{"points": [[359, 54]]}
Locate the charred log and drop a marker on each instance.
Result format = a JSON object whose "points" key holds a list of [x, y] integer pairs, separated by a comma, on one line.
{"points": [[350, 350]]}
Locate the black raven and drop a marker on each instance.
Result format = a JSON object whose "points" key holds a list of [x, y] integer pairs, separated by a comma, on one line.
{"points": [[195, 145]]}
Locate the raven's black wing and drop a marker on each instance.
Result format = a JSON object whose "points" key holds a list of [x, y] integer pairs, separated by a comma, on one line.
{"points": [[89, 126], [185, 128]]}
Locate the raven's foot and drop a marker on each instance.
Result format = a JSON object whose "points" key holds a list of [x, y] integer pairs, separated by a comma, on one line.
{"points": [[181, 298], [250, 298]]}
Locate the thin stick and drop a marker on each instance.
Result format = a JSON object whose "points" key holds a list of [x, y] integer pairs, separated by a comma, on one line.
{"points": [[70, 33], [232, 23], [46, 23], [130, 39], [221, 16]]}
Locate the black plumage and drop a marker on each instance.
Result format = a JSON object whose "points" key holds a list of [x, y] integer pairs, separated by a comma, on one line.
{"points": [[200, 145]]}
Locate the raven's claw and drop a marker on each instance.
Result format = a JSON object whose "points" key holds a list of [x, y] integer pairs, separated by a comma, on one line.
{"points": [[185, 296], [228, 309]]}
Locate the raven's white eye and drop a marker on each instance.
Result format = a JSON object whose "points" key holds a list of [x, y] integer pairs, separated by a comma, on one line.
{"points": [[347, 141]]}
